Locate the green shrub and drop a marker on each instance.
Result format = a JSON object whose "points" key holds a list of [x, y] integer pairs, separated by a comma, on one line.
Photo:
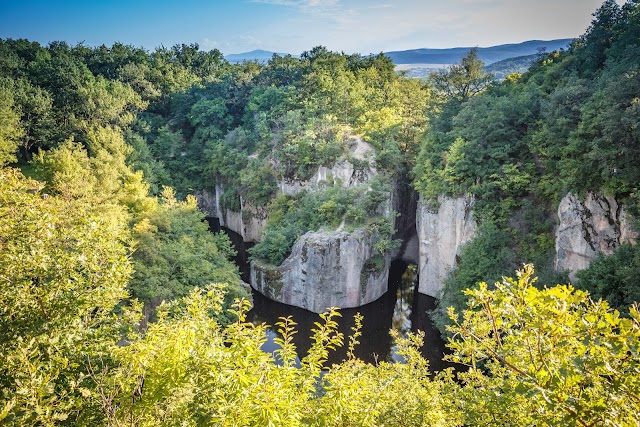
{"points": [[614, 278], [289, 218]]}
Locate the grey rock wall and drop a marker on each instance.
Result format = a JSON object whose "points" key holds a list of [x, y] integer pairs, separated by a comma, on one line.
{"points": [[588, 227], [442, 232], [248, 223], [326, 269], [343, 171]]}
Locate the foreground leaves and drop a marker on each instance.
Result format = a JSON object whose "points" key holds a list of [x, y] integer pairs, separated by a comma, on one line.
{"points": [[551, 356]]}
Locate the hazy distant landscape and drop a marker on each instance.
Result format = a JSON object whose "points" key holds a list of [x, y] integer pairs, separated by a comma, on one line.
{"points": [[499, 60]]}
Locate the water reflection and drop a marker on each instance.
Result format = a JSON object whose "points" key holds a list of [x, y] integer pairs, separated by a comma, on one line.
{"points": [[375, 340], [404, 299], [401, 308]]}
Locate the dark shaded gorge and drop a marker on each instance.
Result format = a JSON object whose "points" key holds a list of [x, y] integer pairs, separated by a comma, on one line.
{"points": [[401, 308]]}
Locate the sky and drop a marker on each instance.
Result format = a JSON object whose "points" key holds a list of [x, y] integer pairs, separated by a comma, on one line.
{"points": [[294, 26]]}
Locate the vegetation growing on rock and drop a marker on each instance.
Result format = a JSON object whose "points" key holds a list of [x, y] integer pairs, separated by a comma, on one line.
{"points": [[569, 124], [114, 139]]}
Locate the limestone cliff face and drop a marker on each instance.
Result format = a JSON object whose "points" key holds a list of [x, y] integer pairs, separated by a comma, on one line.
{"points": [[331, 268], [248, 223], [206, 202], [343, 171], [442, 232], [326, 269], [350, 171], [597, 224]]}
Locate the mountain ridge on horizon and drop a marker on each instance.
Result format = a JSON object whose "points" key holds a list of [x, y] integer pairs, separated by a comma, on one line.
{"points": [[452, 55], [259, 55], [488, 55]]}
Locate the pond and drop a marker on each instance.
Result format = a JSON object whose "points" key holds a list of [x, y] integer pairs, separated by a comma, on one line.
{"points": [[401, 308]]}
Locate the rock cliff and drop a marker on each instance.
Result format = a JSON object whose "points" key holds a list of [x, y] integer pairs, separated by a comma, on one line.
{"points": [[442, 232], [326, 269], [350, 171], [597, 224], [331, 268], [356, 168], [248, 223]]}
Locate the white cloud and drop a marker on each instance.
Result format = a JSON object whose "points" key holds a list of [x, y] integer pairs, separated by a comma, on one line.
{"points": [[334, 14], [373, 25], [209, 44], [301, 4]]}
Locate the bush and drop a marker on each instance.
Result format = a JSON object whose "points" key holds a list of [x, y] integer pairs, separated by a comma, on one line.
{"points": [[290, 218], [614, 278]]}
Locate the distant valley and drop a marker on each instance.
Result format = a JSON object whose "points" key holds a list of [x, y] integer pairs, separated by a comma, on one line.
{"points": [[255, 55], [501, 60]]}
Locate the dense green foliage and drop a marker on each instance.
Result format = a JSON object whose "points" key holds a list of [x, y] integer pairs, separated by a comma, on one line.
{"points": [[262, 125], [10, 129], [614, 278], [187, 119], [96, 240], [569, 124], [545, 357], [176, 253], [552, 357], [335, 207], [73, 112], [63, 270]]}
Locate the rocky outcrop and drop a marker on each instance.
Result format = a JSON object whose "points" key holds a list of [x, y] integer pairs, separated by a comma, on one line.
{"points": [[333, 268], [248, 222], [207, 202], [354, 169], [326, 269], [442, 232], [351, 171], [596, 225]]}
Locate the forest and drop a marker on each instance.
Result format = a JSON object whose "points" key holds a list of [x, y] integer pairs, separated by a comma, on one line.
{"points": [[119, 307]]}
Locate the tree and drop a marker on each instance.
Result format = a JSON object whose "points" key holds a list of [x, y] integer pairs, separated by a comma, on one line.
{"points": [[614, 277], [187, 370], [10, 128], [36, 115], [67, 171], [464, 80], [550, 356], [600, 34], [63, 271], [175, 253]]}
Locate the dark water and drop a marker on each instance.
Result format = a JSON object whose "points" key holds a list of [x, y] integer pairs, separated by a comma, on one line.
{"points": [[401, 308]]}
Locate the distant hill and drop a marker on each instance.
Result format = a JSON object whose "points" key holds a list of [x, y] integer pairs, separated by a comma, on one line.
{"points": [[500, 69], [519, 64], [426, 59], [254, 55], [487, 54]]}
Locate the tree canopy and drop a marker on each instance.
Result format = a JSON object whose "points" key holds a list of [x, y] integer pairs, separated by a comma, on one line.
{"points": [[119, 307], [569, 124]]}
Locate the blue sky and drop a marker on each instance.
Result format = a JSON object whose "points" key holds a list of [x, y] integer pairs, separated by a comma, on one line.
{"points": [[293, 26]]}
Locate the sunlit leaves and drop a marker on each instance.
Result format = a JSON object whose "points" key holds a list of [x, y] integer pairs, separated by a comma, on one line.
{"points": [[573, 360], [63, 270]]}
